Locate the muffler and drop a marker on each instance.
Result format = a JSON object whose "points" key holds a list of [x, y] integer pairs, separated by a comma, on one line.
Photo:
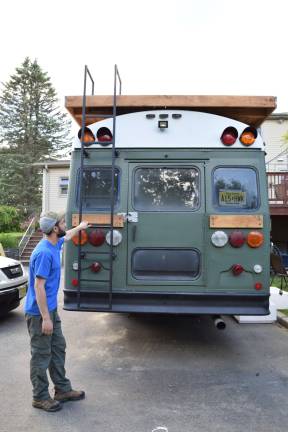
{"points": [[219, 322]]}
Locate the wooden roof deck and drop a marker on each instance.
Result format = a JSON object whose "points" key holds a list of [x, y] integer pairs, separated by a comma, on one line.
{"points": [[251, 110]]}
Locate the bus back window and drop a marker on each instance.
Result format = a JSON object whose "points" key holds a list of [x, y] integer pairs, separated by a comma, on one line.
{"points": [[96, 188], [166, 189], [235, 189]]}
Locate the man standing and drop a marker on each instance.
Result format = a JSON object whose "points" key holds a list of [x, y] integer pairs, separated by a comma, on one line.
{"points": [[44, 325]]}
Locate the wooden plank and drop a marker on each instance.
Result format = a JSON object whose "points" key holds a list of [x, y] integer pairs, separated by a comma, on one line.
{"points": [[251, 110], [100, 219], [236, 221]]}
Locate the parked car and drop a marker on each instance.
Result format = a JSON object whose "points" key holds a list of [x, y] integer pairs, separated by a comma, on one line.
{"points": [[13, 284]]}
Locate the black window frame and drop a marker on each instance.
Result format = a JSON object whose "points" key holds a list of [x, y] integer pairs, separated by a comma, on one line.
{"points": [[90, 168], [235, 209]]}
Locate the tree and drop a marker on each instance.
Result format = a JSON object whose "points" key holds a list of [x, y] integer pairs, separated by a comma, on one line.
{"points": [[32, 129]]}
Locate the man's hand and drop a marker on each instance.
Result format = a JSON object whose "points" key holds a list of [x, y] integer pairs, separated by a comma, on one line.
{"points": [[72, 232], [47, 326], [83, 225]]}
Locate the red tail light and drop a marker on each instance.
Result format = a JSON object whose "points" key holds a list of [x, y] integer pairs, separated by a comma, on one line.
{"points": [[236, 239], [74, 282], [229, 136], [104, 135], [96, 237], [237, 269], [258, 286]]}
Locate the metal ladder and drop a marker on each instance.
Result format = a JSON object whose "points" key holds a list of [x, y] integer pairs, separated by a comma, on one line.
{"points": [[85, 154]]}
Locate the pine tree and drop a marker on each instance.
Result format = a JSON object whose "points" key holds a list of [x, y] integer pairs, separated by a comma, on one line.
{"points": [[32, 128]]}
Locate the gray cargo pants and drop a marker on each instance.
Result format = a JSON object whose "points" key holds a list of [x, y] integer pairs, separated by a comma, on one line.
{"points": [[47, 352]]}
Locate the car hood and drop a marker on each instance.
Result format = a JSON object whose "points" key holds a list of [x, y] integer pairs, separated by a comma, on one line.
{"points": [[7, 262]]}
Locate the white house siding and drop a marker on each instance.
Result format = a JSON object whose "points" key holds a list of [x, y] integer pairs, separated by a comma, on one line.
{"points": [[273, 130], [52, 198]]}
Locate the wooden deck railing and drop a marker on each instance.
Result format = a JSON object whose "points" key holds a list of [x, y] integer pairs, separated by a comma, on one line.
{"points": [[278, 189]]}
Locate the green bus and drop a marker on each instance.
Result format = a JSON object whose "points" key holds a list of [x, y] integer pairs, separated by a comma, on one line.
{"points": [[175, 190]]}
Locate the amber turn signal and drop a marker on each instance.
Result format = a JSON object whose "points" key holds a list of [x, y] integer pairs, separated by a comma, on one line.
{"points": [[255, 239], [84, 238]]}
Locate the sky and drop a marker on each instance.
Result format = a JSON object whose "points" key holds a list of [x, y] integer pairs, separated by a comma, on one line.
{"points": [[236, 47]]}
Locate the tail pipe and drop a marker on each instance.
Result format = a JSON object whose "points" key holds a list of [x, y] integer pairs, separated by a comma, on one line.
{"points": [[219, 322]]}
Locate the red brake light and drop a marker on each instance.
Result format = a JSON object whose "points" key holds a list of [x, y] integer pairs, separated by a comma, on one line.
{"points": [[96, 237], [237, 269], [229, 136], [236, 239]]}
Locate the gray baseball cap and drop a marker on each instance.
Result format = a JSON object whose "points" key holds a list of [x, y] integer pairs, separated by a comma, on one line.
{"points": [[48, 220]]}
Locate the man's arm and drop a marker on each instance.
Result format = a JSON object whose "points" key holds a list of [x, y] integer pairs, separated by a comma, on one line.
{"points": [[47, 324], [72, 232]]}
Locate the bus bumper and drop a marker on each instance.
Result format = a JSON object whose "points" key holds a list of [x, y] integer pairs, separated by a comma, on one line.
{"points": [[167, 303]]}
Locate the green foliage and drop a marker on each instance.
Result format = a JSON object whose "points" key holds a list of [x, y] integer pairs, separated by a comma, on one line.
{"points": [[32, 129], [9, 219], [10, 240]]}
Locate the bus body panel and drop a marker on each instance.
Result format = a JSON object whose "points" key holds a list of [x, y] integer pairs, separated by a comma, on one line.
{"points": [[193, 275]]}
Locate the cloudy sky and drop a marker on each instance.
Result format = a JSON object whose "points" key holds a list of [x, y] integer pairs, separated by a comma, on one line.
{"points": [[160, 46]]}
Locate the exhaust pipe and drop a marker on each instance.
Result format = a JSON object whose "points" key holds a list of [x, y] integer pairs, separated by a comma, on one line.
{"points": [[219, 322]]}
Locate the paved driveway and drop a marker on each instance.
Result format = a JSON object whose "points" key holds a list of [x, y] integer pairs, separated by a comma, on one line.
{"points": [[143, 372]]}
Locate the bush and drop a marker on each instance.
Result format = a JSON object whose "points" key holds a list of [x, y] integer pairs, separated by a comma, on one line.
{"points": [[10, 240], [9, 219]]}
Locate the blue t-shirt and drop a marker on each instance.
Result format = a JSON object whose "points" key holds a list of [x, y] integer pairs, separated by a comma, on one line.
{"points": [[45, 263]]}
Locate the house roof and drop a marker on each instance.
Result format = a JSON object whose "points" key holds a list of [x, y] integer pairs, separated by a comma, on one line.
{"points": [[62, 163], [252, 110]]}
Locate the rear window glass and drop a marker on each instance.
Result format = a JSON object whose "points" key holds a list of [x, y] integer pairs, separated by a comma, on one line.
{"points": [[96, 188], [235, 189], [164, 189]]}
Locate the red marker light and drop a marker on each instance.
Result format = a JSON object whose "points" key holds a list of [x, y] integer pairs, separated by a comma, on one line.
{"points": [[237, 269], [258, 286], [74, 282], [95, 267], [104, 135], [229, 136]]}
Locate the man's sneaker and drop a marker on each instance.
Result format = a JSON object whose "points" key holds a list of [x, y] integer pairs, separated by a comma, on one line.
{"points": [[72, 395], [48, 405]]}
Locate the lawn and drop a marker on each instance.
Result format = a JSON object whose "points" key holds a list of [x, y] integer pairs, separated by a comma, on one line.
{"points": [[10, 240], [277, 283]]}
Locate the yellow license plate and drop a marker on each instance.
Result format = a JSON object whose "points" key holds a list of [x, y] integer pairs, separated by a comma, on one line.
{"points": [[22, 292]]}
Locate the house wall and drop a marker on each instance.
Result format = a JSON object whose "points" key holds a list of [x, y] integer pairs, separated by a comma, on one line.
{"points": [[273, 130], [52, 199]]}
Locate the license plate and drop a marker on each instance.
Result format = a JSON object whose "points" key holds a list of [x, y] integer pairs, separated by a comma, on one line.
{"points": [[22, 292]]}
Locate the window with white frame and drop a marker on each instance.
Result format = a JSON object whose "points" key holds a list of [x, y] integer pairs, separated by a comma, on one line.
{"points": [[63, 185]]}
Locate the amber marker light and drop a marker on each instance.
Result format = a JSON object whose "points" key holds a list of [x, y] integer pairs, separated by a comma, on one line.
{"points": [[84, 238], [248, 136], [255, 239], [88, 136]]}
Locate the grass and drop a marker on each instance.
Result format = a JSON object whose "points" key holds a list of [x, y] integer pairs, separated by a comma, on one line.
{"points": [[277, 283], [284, 311], [10, 240]]}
